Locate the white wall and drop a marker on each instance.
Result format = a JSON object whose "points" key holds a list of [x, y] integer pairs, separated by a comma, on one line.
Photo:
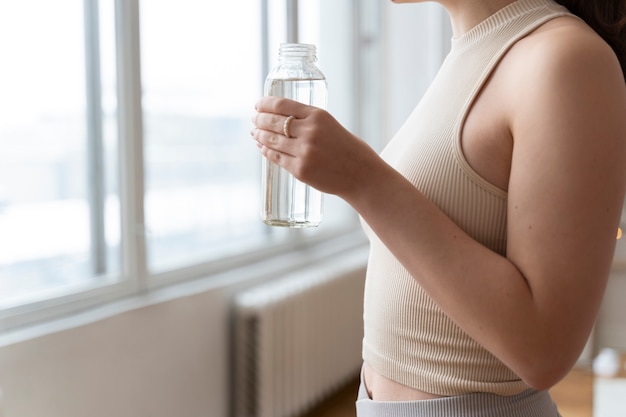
{"points": [[162, 355], [166, 359], [417, 39]]}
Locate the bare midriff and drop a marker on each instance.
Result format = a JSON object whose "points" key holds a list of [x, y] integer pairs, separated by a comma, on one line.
{"points": [[381, 388]]}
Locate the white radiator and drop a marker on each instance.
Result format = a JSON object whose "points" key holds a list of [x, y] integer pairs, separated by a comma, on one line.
{"points": [[298, 339]]}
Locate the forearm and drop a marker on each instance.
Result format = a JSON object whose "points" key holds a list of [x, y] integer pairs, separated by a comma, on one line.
{"points": [[482, 291], [534, 307]]}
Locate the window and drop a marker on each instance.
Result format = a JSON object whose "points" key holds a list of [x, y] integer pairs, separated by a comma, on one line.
{"points": [[125, 155], [59, 200], [201, 74]]}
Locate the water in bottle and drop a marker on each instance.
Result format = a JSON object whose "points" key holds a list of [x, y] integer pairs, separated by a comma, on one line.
{"points": [[286, 201]]}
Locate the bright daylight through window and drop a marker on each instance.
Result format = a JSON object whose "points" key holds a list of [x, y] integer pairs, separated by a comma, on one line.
{"points": [[201, 74], [59, 201], [91, 206]]}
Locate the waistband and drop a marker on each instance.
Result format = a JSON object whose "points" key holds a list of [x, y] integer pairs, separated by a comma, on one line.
{"points": [[530, 403]]}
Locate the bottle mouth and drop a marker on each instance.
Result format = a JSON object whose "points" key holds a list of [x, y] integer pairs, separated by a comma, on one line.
{"points": [[302, 50]]}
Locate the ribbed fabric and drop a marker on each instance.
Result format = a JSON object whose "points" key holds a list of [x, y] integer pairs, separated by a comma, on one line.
{"points": [[407, 337]]}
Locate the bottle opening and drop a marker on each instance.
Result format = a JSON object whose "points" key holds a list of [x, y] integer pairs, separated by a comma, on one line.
{"points": [[297, 50]]}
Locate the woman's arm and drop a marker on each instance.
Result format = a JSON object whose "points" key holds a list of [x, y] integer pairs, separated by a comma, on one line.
{"points": [[534, 308]]}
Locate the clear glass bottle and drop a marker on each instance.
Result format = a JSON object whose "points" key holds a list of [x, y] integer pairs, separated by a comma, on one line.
{"points": [[286, 201]]}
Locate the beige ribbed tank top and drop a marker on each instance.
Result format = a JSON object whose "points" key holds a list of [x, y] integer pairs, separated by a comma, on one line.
{"points": [[407, 337]]}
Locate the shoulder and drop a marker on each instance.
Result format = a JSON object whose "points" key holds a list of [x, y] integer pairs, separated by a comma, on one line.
{"points": [[565, 69], [566, 50]]}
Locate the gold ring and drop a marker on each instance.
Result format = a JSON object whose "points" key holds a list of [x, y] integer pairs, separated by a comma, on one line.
{"points": [[286, 126]]}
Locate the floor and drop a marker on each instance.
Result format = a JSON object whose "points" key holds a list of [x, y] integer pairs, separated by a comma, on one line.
{"points": [[573, 396]]}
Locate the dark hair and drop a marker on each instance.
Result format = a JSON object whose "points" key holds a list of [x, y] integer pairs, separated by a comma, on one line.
{"points": [[607, 18]]}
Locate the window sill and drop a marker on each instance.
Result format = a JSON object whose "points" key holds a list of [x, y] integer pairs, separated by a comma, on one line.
{"points": [[262, 269]]}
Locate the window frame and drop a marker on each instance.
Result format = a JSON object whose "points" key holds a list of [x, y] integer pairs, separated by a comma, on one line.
{"points": [[134, 277]]}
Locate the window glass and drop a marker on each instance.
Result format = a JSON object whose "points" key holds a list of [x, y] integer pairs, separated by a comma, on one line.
{"points": [[203, 65], [201, 71], [47, 211]]}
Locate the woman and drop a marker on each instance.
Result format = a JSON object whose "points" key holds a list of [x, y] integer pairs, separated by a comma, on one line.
{"points": [[492, 214]]}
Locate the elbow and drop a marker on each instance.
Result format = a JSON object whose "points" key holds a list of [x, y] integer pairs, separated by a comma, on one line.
{"points": [[543, 382], [544, 363], [543, 375]]}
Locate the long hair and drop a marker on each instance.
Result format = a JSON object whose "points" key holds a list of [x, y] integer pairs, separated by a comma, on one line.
{"points": [[607, 18]]}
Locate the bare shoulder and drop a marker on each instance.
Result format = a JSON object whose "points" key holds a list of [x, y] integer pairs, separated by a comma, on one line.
{"points": [[565, 68], [566, 50]]}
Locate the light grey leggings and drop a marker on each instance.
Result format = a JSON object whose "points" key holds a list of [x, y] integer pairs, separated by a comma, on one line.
{"points": [[530, 403]]}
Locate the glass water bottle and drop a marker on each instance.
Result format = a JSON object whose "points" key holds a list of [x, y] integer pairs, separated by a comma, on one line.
{"points": [[286, 201]]}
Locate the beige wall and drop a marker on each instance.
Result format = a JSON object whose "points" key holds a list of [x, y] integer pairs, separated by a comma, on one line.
{"points": [[167, 359], [167, 355]]}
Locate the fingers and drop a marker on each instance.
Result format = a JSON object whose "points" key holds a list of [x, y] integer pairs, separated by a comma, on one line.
{"points": [[279, 158], [282, 106], [274, 141], [277, 123]]}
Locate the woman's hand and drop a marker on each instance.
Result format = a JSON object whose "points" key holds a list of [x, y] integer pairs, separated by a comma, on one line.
{"points": [[312, 145]]}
